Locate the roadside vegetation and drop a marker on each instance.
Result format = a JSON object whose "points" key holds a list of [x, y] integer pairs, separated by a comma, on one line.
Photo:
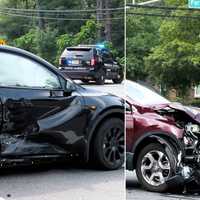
{"points": [[28, 24], [163, 46]]}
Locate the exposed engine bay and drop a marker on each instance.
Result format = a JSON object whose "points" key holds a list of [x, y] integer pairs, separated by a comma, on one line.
{"points": [[188, 162]]}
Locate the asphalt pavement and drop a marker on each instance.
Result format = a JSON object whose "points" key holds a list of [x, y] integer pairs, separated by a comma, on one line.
{"points": [[64, 182], [134, 191], [61, 183]]}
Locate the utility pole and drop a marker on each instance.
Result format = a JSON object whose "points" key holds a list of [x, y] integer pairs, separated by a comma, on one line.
{"points": [[40, 20], [108, 21], [99, 14]]}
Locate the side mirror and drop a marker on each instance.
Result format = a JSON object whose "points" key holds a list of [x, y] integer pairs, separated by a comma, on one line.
{"points": [[69, 88]]}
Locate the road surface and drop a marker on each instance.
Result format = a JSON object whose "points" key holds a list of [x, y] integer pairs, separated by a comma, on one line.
{"points": [[135, 192]]}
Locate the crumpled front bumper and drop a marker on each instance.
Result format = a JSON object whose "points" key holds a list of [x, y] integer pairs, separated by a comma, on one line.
{"points": [[188, 185]]}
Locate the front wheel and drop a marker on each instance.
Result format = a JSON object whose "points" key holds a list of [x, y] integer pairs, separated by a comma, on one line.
{"points": [[154, 166], [108, 146]]}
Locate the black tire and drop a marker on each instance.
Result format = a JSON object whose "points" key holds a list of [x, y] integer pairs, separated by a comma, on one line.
{"points": [[118, 79], [108, 146], [100, 80], [172, 160]]}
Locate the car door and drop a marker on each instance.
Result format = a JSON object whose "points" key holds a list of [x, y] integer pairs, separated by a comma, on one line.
{"points": [[39, 115]]}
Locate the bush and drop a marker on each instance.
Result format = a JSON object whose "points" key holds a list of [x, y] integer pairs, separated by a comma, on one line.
{"points": [[27, 41]]}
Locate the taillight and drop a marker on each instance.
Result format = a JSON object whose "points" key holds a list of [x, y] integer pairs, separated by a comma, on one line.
{"points": [[93, 62]]}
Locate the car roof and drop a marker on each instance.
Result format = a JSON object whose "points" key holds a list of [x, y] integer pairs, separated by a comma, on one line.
{"points": [[87, 45], [82, 47]]}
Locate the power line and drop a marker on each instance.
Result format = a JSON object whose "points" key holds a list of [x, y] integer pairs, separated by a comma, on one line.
{"points": [[163, 15], [54, 14], [63, 11], [57, 18]]}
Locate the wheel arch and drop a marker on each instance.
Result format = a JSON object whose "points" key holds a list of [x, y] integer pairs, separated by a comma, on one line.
{"points": [[162, 138], [116, 112]]}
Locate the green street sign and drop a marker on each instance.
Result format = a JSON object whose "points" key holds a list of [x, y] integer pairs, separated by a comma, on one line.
{"points": [[194, 3]]}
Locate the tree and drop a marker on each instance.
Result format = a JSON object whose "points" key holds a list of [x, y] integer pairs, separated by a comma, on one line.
{"points": [[43, 36], [86, 35], [40, 42], [142, 35], [175, 62], [49, 45]]}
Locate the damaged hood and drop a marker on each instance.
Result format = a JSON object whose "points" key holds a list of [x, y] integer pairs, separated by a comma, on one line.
{"points": [[192, 112]]}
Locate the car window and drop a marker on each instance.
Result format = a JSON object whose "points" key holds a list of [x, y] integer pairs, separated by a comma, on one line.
{"points": [[19, 71], [78, 53]]}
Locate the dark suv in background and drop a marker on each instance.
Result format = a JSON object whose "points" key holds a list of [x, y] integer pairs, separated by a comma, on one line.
{"points": [[90, 62]]}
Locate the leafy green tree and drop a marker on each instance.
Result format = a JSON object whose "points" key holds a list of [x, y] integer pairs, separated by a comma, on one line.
{"points": [[27, 41], [13, 26], [175, 61], [88, 33], [63, 41], [46, 44], [142, 35], [48, 37], [40, 42]]}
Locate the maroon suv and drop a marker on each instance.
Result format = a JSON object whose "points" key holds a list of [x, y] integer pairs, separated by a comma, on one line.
{"points": [[162, 139]]}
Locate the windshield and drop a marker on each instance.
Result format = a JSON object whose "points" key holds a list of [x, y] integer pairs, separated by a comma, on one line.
{"points": [[82, 53], [143, 95]]}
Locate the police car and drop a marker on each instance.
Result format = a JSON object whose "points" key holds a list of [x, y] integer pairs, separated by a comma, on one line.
{"points": [[90, 63]]}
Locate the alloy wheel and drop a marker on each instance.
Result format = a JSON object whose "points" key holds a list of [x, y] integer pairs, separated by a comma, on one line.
{"points": [[155, 168], [113, 145]]}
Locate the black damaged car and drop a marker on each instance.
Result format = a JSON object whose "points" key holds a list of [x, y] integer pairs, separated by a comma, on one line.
{"points": [[45, 116]]}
